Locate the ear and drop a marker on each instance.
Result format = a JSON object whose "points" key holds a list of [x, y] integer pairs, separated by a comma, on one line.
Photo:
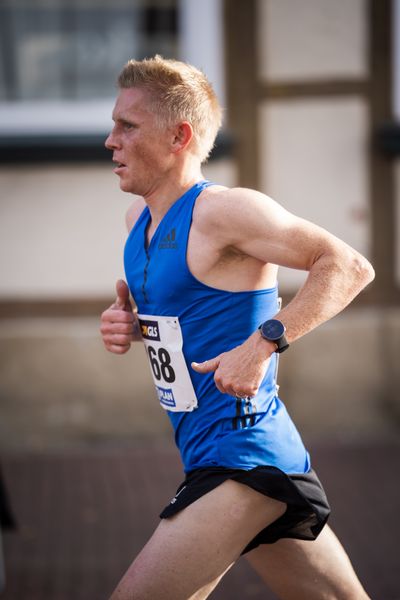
{"points": [[182, 136]]}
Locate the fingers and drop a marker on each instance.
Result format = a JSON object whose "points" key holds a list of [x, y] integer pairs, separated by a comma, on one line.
{"points": [[119, 325], [233, 386], [122, 301], [117, 333], [117, 315], [117, 337], [228, 381], [117, 348], [234, 389], [241, 391], [207, 366], [117, 321]]}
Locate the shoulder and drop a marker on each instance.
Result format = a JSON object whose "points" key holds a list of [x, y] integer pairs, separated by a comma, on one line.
{"points": [[221, 207], [134, 211], [216, 199]]}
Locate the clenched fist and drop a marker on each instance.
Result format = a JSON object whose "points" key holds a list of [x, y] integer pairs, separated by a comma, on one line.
{"points": [[119, 324]]}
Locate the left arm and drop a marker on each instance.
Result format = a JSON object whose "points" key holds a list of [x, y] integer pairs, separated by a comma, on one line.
{"points": [[259, 227]]}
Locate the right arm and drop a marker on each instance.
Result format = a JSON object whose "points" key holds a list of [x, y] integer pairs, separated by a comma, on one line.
{"points": [[119, 323]]}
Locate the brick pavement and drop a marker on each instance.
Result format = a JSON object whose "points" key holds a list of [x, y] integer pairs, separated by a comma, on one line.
{"points": [[83, 514]]}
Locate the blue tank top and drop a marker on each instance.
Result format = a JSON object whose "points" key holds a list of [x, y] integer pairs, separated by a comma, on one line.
{"points": [[222, 430]]}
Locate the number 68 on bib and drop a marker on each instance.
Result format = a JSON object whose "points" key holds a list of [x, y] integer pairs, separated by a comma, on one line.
{"points": [[162, 337]]}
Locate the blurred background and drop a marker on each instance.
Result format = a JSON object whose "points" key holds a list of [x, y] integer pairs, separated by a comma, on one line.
{"points": [[312, 96]]}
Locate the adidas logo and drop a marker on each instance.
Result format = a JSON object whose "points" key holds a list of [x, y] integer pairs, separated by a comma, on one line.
{"points": [[168, 242]]}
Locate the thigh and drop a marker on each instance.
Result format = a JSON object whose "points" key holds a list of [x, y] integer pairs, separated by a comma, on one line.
{"points": [[308, 570], [189, 552]]}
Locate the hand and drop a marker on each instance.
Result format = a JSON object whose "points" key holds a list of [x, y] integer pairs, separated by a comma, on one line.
{"points": [[119, 324], [240, 371]]}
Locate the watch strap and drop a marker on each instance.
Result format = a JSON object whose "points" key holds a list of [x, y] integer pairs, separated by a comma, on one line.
{"points": [[281, 342]]}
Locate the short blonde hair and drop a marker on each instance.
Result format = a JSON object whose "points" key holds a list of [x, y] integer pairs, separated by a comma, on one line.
{"points": [[178, 92]]}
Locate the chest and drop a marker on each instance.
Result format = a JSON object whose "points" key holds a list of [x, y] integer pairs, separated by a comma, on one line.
{"points": [[177, 259], [155, 263]]}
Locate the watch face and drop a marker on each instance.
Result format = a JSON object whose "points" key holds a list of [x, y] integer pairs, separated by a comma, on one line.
{"points": [[273, 329]]}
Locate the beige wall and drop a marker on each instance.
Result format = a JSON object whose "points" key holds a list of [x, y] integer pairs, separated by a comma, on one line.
{"points": [[59, 387], [314, 151], [314, 162], [62, 229], [312, 39]]}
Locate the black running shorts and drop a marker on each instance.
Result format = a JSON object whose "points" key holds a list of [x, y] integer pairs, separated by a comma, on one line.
{"points": [[307, 505]]}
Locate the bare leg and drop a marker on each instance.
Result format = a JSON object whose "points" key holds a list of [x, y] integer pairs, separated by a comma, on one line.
{"points": [[304, 570], [189, 553], [205, 591]]}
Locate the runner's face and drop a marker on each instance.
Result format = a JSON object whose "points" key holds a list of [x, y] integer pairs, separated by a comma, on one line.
{"points": [[140, 149]]}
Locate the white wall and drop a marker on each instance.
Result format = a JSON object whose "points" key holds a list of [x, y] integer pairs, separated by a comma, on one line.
{"points": [[62, 229], [312, 39], [396, 59], [314, 151], [314, 162], [202, 40]]}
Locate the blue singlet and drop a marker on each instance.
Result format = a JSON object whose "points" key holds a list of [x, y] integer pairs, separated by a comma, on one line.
{"points": [[223, 430]]}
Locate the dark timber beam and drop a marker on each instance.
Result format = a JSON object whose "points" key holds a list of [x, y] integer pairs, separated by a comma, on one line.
{"points": [[241, 70], [382, 183]]}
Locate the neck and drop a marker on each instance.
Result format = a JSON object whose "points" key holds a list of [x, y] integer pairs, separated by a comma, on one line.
{"points": [[168, 190]]}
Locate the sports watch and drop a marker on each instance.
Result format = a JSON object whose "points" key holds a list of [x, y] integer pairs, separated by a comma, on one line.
{"points": [[274, 331]]}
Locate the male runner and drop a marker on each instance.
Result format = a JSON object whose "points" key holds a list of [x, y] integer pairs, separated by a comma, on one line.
{"points": [[201, 265]]}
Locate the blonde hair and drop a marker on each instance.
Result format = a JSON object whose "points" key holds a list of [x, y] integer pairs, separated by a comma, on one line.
{"points": [[178, 92]]}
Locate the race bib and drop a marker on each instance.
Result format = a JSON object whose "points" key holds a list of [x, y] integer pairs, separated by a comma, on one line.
{"points": [[163, 340]]}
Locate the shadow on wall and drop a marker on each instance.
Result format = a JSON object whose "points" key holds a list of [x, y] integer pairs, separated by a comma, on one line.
{"points": [[59, 386]]}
